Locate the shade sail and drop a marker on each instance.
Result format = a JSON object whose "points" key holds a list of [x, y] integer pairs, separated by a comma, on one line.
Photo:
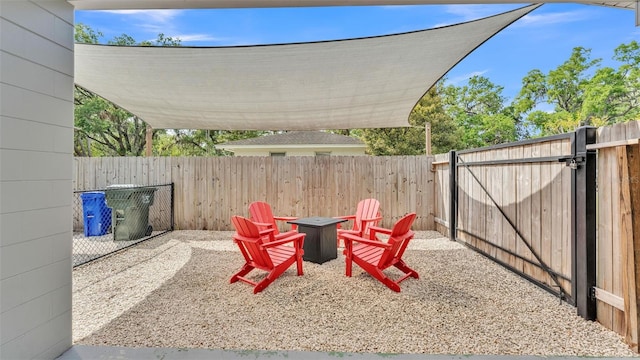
{"points": [[361, 83], [206, 4]]}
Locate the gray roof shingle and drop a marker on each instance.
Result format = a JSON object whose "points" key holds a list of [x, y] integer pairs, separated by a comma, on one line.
{"points": [[299, 138]]}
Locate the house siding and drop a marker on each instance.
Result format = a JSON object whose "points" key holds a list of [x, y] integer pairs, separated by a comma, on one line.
{"points": [[36, 138], [299, 151]]}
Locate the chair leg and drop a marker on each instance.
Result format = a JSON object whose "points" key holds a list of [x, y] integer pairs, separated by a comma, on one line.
{"points": [[406, 269], [348, 260], [391, 285], [299, 264], [262, 284], [378, 274], [243, 271], [348, 257]]}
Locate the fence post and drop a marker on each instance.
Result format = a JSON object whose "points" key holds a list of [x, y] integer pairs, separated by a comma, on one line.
{"points": [[173, 206], [453, 194], [583, 220]]}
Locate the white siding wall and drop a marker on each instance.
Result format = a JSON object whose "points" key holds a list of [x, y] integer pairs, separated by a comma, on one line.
{"points": [[293, 151], [36, 138]]}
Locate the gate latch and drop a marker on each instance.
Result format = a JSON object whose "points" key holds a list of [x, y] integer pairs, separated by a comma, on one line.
{"points": [[574, 162]]}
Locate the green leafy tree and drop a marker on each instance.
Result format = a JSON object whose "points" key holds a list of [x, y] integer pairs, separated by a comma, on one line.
{"points": [[613, 96], [479, 109], [106, 129], [181, 142], [582, 93], [563, 88], [102, 128], [445, 135]]}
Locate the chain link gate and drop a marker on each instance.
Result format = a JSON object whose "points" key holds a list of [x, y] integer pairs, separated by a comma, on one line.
{"points": [[112, 219]]}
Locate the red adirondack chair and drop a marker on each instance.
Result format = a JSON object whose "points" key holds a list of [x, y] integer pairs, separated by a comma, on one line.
{"points": [[374, 255], [367, 215], [262, 215], [271, 256]]}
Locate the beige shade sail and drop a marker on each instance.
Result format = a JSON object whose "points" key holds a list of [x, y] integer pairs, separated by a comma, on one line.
{"points": [[360, 83], [202, 4]]}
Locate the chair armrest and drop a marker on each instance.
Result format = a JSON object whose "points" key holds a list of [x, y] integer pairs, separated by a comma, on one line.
{"points": [[350, 237], [345, 217], [237, 237], [292, 238], [285, 218], [375, 229], [363, 225], [268, 225], [267, 231], [270, 232], [288, 218]]}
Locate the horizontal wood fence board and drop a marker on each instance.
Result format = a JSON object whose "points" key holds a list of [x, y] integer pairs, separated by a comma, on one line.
{"points": [[610, 299]]}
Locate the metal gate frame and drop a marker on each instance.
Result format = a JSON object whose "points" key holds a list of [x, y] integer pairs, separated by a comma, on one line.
{"points": [[582, 163]]}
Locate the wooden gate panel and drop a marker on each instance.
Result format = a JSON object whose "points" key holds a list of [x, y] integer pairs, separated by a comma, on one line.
{"points": [[533, 189]]}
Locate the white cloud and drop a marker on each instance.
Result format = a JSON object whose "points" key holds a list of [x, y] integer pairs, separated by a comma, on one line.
{"points": [[465, 77], [553, 18], [196, 37], [158, 16], [149, 21], [463, 13], [444, 24], [473, 12]]}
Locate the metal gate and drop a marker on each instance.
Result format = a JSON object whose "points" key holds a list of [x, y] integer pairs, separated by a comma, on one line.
{"points": [[526, 205]]}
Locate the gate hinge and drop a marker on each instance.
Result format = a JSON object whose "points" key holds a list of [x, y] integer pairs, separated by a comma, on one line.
{"points": [[574, 162], [592, 293]]}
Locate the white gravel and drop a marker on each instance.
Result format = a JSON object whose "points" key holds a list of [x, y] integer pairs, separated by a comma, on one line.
{"points": [[174, 291]]}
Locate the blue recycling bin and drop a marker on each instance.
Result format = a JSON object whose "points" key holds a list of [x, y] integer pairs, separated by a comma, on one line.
{"points": [[96, 214]]}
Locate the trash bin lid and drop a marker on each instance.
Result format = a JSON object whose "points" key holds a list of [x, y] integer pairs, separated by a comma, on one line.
{"points": [[92, 195], [122, 186]]}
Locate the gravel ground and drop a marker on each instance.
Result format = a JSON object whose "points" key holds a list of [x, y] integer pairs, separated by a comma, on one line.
{"points": [[174, 291]]}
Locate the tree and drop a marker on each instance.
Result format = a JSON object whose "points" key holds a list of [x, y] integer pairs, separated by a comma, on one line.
{"points": [[446, 135], [102, 128], [181, 142], [411, 140], [479, 109], [114, 131], [581, 93], [613, 96], [563, 88]]}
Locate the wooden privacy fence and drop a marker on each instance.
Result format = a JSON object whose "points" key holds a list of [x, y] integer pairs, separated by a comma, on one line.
{"points": [[618, 229], [209, 190], [535, 207]]}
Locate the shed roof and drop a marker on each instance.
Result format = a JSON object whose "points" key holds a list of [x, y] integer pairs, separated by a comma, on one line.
{"points": [[298, 138]]}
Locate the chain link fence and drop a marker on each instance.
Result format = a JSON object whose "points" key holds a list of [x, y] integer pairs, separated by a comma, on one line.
{"points": [[111, 219]]}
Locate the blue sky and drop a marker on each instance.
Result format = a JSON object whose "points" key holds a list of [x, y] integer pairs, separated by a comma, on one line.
{"points": [[542, 40]]}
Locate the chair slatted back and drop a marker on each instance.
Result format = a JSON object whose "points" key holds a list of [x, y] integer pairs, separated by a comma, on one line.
{"points": [[261, 212], [248, 238], [401, 234], [367, 209]]}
